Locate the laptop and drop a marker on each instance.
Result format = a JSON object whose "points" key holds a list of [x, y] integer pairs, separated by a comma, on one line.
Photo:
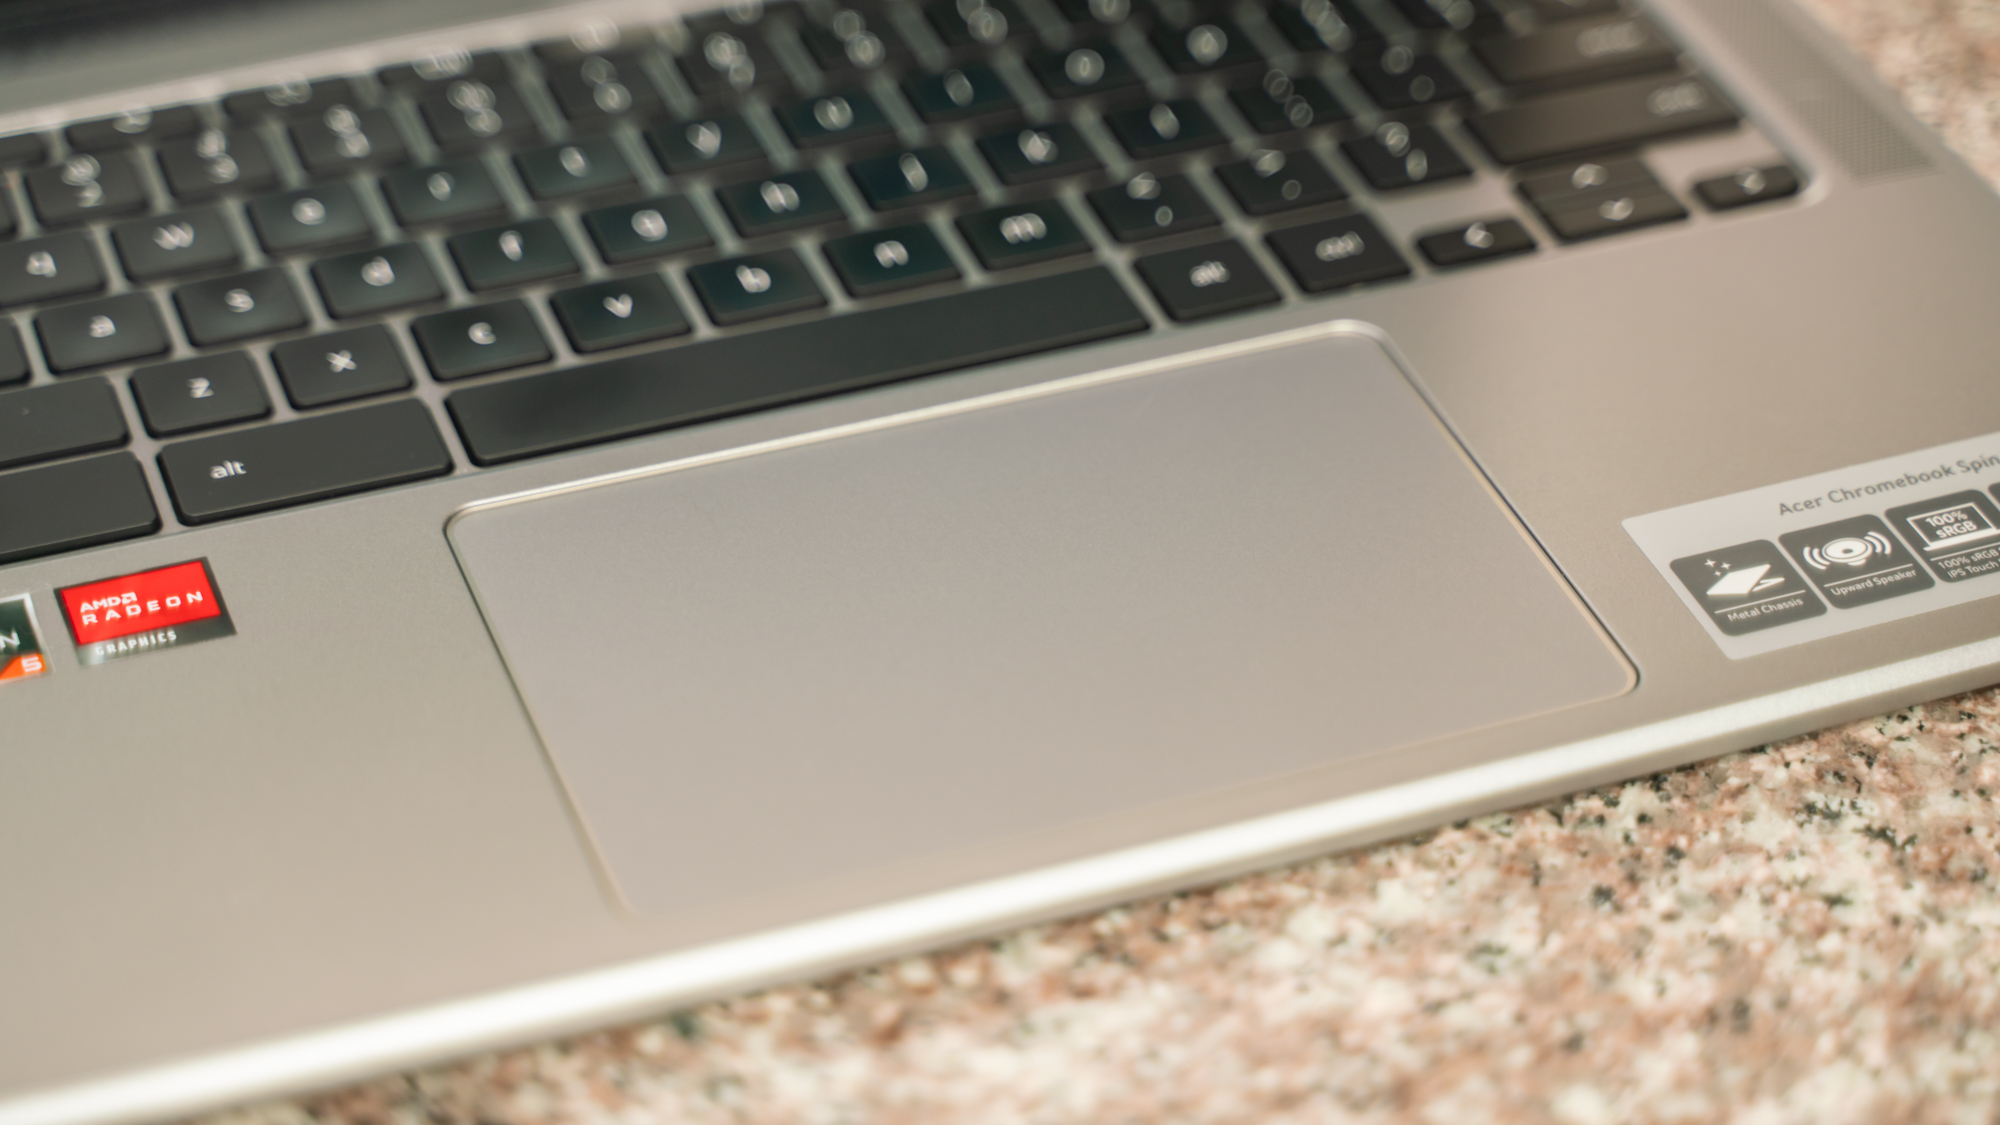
{"points": [[516, 516]]}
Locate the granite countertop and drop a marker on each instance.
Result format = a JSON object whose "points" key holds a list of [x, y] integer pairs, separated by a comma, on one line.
{"points": [[1805, 932]]}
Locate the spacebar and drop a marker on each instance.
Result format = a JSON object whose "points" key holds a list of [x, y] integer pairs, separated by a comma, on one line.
{"points": [[636, 394]]}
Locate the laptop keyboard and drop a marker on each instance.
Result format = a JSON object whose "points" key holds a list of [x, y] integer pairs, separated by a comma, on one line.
{"points": [[653, 226]]}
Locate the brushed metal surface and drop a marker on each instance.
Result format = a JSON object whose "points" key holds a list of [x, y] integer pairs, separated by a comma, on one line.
{"points": [[771, 670], [333, 844]]}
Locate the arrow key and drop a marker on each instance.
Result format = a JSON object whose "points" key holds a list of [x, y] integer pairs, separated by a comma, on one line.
{"points": [[340, 366], [612, 314]]}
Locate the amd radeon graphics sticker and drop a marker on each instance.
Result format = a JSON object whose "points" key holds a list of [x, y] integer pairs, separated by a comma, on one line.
{"points": [[145, 612], [20, 642]]}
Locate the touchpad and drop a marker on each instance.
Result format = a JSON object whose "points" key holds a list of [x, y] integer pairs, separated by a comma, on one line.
{"points": [[1021, 614]]}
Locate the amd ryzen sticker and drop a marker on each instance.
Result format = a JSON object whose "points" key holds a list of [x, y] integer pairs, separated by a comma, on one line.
{"points": [[1834, 552], [138, 613], [20, 643]]}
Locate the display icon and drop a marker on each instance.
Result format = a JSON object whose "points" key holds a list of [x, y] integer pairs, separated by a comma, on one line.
{"points": [[1958, 536], [20, 642], [139, 613], [1855, 561], [1748, 587]]}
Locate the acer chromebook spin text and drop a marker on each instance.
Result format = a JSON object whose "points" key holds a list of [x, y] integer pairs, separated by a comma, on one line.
{"points": [[517, 516]]}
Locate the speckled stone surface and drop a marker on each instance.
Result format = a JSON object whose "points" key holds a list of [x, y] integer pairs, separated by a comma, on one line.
{"points": [[1809, 933]]}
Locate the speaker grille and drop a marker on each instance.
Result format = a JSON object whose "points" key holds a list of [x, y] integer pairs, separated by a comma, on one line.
{"points": [[1866, 142]]}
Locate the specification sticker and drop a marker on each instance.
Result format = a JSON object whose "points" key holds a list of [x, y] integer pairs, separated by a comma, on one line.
{"points": [[20, 642], [145, 612], [1827, 554]]}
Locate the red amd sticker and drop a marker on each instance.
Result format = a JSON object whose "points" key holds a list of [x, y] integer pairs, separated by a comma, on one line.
{"points": [[153, 609]]}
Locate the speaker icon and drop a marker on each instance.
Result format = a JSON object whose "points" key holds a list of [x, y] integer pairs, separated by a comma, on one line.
{"points": [[1852, 550]]}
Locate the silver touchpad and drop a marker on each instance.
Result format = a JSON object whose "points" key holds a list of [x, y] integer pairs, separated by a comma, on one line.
{"points": [[862, 649]]}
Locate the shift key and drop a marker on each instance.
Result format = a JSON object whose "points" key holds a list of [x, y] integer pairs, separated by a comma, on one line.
{"points": [[255, 470], [1614, 115]]}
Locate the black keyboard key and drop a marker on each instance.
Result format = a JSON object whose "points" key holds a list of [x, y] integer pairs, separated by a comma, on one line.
{"points": [[343, 138], [1324, 25], [1021, 234], [515, 254], [1401, 156], [1399, 78], [310, 218], [42, 269], [1482, 241], [100, 332], [457, 192], [469, 112], [1150, 206], [75, 505], [1280, 103], [483, 338], [517, 418], [729, 60], [258, 303], [1165, 128], [1205, 281], [739, 290], [1107, 12], [1038, 152], [1337, 253], [13, 359], [1089, 68], [148, 125], [215, 161], [710, 142], [317, 458], [372, 281], [9, 222], [1549, 11], [298, 98], [85, 187], [1614, 213], [56, 421], [1591, 198], [601, 88], [1747, 186], [849, 45], [614, 314], [23, 149], [581, 167], [1458, 15], [891, 259], [171, 245], [1577, 51], [1205, 48], [959, 95], [975, 23], [852, 115], [339, 366], [589, 39], [1586, 181], [1614, 115], [200, 393], [905, 179], [786, 201], [444, 67], [652, 228]]}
